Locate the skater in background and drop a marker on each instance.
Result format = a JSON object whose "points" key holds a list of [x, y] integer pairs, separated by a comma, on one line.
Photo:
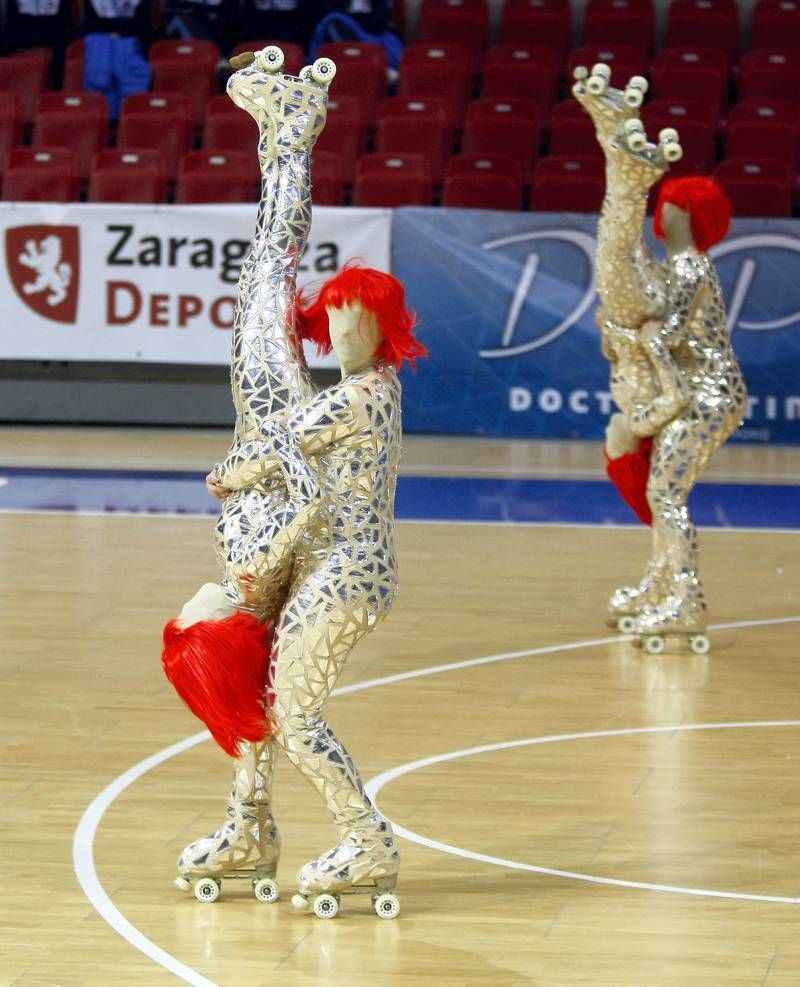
{"points": [[674, 374]]}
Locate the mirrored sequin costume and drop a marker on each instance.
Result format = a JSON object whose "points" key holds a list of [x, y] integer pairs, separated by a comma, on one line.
{"points": [[684, 388]]}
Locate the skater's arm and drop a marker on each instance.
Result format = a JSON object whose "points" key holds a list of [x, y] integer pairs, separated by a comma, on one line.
{"points": [[650, 418], [685, 278]]}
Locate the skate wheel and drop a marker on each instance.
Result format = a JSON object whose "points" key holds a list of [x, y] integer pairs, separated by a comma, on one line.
{"points": [[305, 73], [627, 624], [633, 126], [700, 644], [266, 890], [323, 71], [300, 902], [597, 85], [669, 135], [183, 884], [672, 152], [326, 906], [654, 645], [580, 72], [637, 140], [270, 59], [635, 92], [207, 889], [601, 70], [386, 905], [639, 82]]}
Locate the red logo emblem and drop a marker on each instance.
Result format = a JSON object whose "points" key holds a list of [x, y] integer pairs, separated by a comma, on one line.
{"points": [[44, 266]]}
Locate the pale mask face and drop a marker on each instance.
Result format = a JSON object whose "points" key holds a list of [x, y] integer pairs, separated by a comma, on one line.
{"points": [[208, 603], [355, 336], [674, 220]]}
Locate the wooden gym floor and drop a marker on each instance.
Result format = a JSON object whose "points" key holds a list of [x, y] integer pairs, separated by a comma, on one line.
{"points": [[626, 819]]}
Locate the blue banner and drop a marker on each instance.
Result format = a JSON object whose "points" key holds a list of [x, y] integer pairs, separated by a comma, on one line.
{"points": [[506, 303]]}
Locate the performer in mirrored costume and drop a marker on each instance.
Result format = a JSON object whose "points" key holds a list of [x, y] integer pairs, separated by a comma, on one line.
{"points": [[336, 542], [674, 375]]}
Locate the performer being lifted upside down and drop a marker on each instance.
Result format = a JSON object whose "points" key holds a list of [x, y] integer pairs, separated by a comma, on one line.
{"points": [[674, 375]]}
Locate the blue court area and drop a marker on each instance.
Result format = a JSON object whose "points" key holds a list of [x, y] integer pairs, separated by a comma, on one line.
{"points": [[419, 498]]}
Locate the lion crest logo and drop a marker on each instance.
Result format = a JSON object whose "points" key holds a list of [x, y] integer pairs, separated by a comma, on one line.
{"points": [[43, 263]]}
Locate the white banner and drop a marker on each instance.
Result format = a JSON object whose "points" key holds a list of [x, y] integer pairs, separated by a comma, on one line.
{"points": [[153, 284]]}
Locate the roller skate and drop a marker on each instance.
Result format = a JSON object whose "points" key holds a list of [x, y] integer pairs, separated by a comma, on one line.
{"points": [[682, 614], [628, 603], [247, 846], [290, 110], [366, 862]]}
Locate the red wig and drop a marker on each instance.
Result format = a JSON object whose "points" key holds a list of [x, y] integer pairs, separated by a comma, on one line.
{"points": [[707, 204], [377, 292], [219, 669]]}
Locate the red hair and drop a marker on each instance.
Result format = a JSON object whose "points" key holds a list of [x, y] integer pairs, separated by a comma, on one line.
{"points": [[219, 669], [377, 292], [707, 204]]}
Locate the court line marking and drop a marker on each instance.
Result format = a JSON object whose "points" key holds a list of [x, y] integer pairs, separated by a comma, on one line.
{"points": [[83, 840], [202, 516], [374, 785]]}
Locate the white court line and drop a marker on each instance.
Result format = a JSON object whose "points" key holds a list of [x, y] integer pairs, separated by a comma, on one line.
{"points": [[83, 841], [202, 516], [376, 784]]}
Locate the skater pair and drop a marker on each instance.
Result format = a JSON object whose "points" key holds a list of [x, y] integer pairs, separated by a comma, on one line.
{"points": [[306, 531], [674, 375]]}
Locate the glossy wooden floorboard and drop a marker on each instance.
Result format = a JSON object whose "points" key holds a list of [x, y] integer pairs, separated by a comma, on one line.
{"points": [[84, 699]]}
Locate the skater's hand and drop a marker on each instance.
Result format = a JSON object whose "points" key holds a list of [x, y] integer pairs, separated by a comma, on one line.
{"points": [[214, 484]]}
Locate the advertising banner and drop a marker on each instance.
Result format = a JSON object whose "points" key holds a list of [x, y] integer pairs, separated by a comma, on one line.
{"points": [[148, 283], [506, 303]]}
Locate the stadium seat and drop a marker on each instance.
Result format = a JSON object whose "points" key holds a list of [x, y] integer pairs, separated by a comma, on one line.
{"points": [[444, 71], [345, 132], [542, 22], [778, 110], [214, 176], [567, 183], [692, 56], [327, 178], [135, 176], [770, 73], [530, 71], [73, 66], [11, 127], [715, 22], [40, 174], [697, 137], [392, 180], [190, 50], [459, 22], [510, 127], [624, 61], [73, 122], [756, 188], [422, 125], [626, 22], [482, 190], [195, 80], [26, 75], [572, 131], [492, 164], [690, 83], [775, 23], [227, 128], [294, 56], [360, 71], [771, 140], [159, 121], [674, 112]]}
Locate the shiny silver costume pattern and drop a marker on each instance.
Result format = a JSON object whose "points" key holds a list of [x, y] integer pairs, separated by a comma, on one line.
{"points": [[309, 528], [684, 387]]}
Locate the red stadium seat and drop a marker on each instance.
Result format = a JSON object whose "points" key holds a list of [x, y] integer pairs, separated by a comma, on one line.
{"points": [[94, 103], [691, 57], [715, 22], [775, 110], [11, 127], [392, 180], [771, 140], [162, 127], [444, 71], [327, 178], [572, 131], [75, 120], [530, 71], [691, 82], [345, 132], [227, 128], [756, 188], [623, 60], [511, 127], [542, 22], [775, 23], [294, 56], [482, 190], [40, 174], [626, 22], [360, 71], [205, 52], [697, 137], [128, 176], [195, 80], [156, 102], [458, 22], [485, 164], [568, 184], [674, 112], [770, 73], [73, 66], [423, 125], [214, 176], [26, 75]]}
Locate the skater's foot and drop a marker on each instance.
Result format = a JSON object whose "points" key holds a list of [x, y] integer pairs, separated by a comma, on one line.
{"points": [[365, 857], [247, 841]]}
